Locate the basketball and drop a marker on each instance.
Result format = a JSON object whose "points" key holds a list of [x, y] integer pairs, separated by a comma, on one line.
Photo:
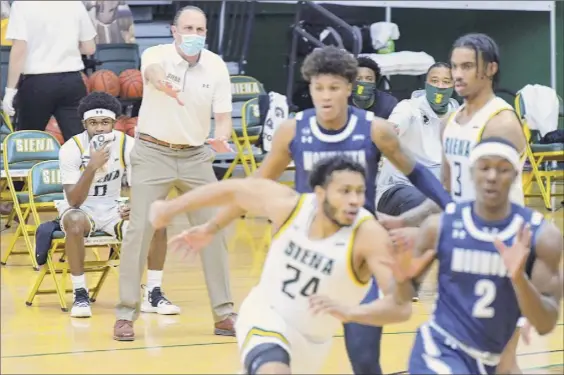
{"points": [[131, 84], [86, 81], [53, 129], [106, 81], [120, 123], [126, 125]]}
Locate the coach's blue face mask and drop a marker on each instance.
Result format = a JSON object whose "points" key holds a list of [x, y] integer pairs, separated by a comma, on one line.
{"points": [[192, 44]]}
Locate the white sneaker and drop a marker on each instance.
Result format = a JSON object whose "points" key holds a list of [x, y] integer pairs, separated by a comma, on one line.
{"points": [[154, 301], [81, 306]]}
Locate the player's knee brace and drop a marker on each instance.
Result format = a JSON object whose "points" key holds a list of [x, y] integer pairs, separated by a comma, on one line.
{"points": [[263, 354]]}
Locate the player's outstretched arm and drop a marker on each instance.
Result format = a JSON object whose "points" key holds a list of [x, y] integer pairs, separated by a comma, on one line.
{"points": [[539, 298], [387, 141], [257, 195], [373, 248], [412, 262]]}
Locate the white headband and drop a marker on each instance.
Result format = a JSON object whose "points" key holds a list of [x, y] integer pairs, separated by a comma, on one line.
{"points": [[496, 149], [99, 112]]}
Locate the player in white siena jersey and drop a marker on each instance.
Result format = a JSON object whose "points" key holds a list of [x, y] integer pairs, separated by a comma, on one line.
{"points": [[317, 270], [475, 70], [92, 165]]}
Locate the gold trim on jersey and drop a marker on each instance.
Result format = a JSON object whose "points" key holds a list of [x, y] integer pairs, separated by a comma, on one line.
{"points": [[291, 217], [450, 117], [80, 148], [255, 331], [118, 230], [481, 132], [522, 155], [122, 150], [350, 258]]}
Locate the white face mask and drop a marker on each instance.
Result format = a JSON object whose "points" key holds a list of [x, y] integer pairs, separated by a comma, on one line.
{"points": [[192, 44]]}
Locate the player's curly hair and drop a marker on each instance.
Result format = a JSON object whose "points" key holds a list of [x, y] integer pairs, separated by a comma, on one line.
{"points": [[330, 60], [322, 172], [366, 62], [99, 99]]}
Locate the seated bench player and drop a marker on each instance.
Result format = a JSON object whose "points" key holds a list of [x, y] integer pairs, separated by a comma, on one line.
{"points": [[92, 166]]}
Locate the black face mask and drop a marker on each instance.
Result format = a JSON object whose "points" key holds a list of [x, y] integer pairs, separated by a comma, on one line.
{"points": [[364, 94]]}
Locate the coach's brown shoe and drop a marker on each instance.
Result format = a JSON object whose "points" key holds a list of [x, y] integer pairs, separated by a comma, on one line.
{"points": [[123, 330], [227, 326]]}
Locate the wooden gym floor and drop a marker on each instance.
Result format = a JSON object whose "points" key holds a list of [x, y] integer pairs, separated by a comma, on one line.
{"points": [[43, 340]]}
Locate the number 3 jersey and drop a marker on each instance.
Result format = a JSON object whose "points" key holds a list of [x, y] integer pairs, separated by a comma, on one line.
{"points": [[459, 140], [476, 302], [74, 156], [297, 267]]}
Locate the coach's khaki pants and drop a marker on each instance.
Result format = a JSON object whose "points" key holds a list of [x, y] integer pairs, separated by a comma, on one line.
{"points": [[155, 170]]}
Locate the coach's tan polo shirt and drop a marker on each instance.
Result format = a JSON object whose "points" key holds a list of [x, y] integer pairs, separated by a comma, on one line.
{"points": [[204, 87]]}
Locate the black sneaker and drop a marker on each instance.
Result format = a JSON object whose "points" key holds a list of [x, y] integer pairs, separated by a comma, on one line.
{"points": [[81, 305], [154, 301]]}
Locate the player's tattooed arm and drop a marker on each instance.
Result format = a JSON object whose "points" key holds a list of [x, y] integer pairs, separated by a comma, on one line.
{"points": [[415, 216], [387, 141], [539, 298], [372, 252], [272, 167]]}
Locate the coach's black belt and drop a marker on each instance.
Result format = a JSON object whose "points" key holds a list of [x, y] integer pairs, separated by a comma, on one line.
{"points": [[172, 146]]}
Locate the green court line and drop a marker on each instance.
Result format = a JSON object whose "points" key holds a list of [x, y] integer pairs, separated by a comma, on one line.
{"points": [[203, 344]]}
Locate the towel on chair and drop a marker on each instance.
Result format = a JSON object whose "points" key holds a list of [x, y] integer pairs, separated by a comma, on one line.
{"points": [[381, 32], [541, 107], [114, 156], [43, 239], [277, 113]]}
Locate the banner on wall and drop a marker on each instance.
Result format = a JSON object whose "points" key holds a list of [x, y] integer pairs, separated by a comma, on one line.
{"points": [[113, 21]]}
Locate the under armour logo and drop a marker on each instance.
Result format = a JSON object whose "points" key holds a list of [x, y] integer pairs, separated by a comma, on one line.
{"points": [[307, 139], [458, 234]]}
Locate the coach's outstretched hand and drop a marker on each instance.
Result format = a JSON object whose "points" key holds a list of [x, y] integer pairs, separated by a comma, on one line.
{"points": [[167, 88]]}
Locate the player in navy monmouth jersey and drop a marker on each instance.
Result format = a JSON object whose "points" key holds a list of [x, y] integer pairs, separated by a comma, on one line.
{"points": [[334, 127], [498, 261]]}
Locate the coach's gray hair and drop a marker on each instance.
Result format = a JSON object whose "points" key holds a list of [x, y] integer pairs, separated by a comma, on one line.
{"points": [[186, 8]]}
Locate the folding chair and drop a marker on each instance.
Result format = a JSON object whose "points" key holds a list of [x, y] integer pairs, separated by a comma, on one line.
{"points": [[45, 188], [117, 57], [21, 151], [5, 129], [243, 89], [540, 156]]}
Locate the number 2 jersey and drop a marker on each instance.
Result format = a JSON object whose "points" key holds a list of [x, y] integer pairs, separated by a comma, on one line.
{"points": [[476, 302], [106, 186], [458, 142], [297, 267]]}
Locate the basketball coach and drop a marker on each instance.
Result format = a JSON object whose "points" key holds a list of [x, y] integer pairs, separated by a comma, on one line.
{"points": [[183, 84], [48, 38]]}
